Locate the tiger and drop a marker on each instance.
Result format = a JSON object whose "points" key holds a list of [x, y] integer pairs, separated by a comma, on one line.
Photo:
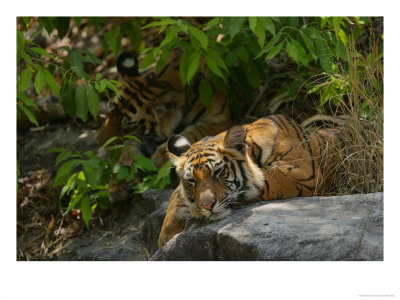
{"points": [[272, 158], [152, 105]]}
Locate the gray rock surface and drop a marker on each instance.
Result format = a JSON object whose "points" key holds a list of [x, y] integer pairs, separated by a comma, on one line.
{"points": [[307, 229]]}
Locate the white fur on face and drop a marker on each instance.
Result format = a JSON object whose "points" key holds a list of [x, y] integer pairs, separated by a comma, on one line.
{"points": [[128, 63]]}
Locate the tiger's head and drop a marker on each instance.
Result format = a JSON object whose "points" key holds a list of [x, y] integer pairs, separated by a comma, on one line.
{"points": [[148, 105], [215, 172]]}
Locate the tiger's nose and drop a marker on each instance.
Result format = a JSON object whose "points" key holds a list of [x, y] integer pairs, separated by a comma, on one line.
{"points": [[209, 206]]}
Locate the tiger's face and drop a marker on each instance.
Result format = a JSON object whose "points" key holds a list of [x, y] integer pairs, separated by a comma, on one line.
{"points": [[215, 172], [148, 106]]}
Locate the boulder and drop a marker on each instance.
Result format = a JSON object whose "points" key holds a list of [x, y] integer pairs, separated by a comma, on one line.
{"points": [[299, 229]]}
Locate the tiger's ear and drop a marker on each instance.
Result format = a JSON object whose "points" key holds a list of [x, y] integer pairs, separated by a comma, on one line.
{"points": [[127, 64], [235, 138], [176, 146]]}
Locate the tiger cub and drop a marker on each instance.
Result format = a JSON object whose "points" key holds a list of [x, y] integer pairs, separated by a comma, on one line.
{"points": [[152, 105], [272, 158]]}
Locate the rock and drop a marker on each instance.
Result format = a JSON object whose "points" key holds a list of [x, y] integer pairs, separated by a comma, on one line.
{"points": [[313, 228], [152, 227]]}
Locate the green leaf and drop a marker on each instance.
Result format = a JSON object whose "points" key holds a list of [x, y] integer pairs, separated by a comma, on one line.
{"points": [[296, 51], [268, 24], [111, 86], [76, 63], [86, 209], [215, 56], [194, 64], [90, 173], [213, 67], [131, 137], [81, 103], [231, 58], [163, 58], [109, 141], [91, 56], [144, 162], [309, 43], [149, 59], [242, 52], [206, 93], [65, 48], [24, 79], [65, 171], [20, 45], [55, 150], [259, 31], [160, 23], [170, 36], [47, 22], [63, 156], [75, 199], [62, 25], [41, 51], [252, 23], [324, 54], [25, 100], [93, 101], [336, 21], [235, 25], [252, 75], [30, 115], [272, 41], [77, 21], [25, 22], [66, 189], [274, 51], [184, 66], [67, 98], [200, 36], [50, 80], [213, 22], [39, 82], [101, 86], [122, 172]]}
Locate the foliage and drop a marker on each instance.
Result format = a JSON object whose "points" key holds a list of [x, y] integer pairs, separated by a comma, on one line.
{"points": [[77, 91], [85, 176], [232, 53]]}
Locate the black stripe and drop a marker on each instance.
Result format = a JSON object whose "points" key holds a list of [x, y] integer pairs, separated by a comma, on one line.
{"points": [[162, 71], [306, 136], [295, 127], [267, 186], [283, 123], [201, 111], [300, 192], [306, 186], [257, 158], [273, 120]]}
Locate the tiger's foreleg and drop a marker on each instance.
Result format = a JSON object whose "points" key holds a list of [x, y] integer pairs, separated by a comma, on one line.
{"points": [[174, 221], [283, 180]]}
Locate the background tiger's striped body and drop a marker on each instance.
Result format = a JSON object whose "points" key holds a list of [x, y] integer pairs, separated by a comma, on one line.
{"points": [[272, 158], [153, 105]]}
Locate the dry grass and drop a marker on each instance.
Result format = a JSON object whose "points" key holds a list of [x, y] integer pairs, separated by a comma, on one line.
{"points": [[360, 169]]}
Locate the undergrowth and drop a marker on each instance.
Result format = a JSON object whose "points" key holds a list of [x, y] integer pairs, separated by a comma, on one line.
{"points": [[360, 169]]}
